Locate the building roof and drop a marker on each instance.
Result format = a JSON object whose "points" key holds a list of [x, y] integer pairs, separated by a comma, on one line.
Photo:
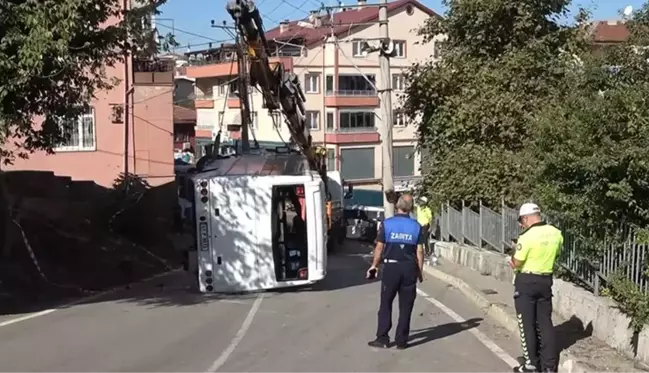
{"points": [[341, 22], [184, 115], [610, 32]]}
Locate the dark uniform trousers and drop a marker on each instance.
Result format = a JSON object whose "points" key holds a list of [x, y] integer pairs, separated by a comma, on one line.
{"points": [[401, 235], [533, 302], [398, 278]]}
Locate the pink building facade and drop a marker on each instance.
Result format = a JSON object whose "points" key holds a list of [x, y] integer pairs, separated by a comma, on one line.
{"points": [[128, 130]]}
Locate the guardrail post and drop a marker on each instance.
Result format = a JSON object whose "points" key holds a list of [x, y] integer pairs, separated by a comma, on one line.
{"points": [[480, 225], [448, 220], [463, 240], [503, 219], [596, 282]]}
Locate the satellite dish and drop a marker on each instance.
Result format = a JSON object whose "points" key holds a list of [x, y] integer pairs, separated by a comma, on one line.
{"points": [[628, 11]]}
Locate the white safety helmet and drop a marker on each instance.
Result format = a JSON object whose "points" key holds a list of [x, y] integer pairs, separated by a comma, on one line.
{"points": [[529, 209]]}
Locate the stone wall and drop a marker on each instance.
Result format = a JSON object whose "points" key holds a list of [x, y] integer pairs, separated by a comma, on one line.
{"points": [[609, 324]]}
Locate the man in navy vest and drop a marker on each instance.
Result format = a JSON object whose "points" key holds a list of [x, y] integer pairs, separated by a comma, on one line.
{"points": [[400, 247]]}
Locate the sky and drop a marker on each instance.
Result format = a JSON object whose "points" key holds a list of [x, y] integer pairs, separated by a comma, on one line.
{"points": [[191, 18]]}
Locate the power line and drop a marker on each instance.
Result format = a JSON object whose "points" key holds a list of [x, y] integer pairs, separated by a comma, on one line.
{"points": [[194, 34], [296, 8]]}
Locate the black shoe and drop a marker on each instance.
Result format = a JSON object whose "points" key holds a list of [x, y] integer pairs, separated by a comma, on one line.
{"points": [[525, 369], [402, 346], [378, 344]]}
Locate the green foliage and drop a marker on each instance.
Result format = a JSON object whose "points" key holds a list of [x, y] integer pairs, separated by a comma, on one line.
{"points": [[501, 62], [631, 300], [521, 108], [591, 144], [53, 60]]}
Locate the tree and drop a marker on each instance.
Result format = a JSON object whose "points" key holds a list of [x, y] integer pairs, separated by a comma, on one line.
{"points": [[53, 59], [501, 61], [591, 142]]}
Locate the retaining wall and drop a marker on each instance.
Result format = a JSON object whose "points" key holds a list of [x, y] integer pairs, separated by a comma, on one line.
{"points": [[609, 324]]}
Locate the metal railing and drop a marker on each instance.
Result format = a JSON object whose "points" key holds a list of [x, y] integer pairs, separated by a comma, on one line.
{"points": [[153, 66], [351, 92], [480, 226], [367, 129]]}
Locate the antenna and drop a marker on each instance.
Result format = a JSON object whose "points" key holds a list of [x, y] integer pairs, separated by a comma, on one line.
{"points": [[628, 11]]}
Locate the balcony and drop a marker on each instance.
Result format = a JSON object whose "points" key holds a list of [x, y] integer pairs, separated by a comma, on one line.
{"points": [[349, 135], [204, 101], [153, 72], [351, 98], [216, 68], [233, 102]]}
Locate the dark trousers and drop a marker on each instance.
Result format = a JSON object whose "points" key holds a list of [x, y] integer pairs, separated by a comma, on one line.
{"points": [[398, 278], [533, 302], [425, 229]]}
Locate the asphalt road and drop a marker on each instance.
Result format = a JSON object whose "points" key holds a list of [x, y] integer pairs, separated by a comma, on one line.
{"points": [[161, 325]]}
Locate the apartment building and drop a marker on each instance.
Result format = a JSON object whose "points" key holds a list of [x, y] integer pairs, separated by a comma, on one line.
{"points": [[126, 129], [339, 80]]}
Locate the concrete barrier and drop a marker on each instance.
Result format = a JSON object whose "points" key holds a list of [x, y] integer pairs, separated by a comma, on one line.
{"points": [[609, 324]]}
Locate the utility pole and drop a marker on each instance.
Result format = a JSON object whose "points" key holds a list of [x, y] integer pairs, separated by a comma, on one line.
{"points": [[385, 94], [244, 99]]}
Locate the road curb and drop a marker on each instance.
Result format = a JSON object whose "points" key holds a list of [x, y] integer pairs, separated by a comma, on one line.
{"points": [[568, 363]]}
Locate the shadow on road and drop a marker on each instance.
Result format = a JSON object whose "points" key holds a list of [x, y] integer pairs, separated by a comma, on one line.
{"points": [[422, 336], [178, 289], [567, 334]]}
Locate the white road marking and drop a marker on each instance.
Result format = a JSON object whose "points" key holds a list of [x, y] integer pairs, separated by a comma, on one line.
{"points": [[239, 336], [486, 341], [76, 302]]}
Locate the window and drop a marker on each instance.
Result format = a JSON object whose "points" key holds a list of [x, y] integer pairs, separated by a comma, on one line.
{"points": [[331, 159], [398, 82], [330, 121], [355, 120], [438, 47], [355, 84], [400, 48], [79, 133], [311, 83], [357, 163], [329, 84], [357, 48], [230, 88], [227, 87], [181, 135], [399, 118], [313, 119], [277, 119], [410, 10], [403, 161]]}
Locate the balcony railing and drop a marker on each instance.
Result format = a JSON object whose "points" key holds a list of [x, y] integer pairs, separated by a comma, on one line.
{"points": [[204, 96], [153, 66], [352, 129], [352, 93], [208, 61]]}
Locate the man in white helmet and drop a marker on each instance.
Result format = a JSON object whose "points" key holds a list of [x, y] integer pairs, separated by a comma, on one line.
{"points": [[537, 248]]}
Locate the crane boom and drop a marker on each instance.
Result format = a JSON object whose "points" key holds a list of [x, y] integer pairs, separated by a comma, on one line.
{"points": [[281, 90]]}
